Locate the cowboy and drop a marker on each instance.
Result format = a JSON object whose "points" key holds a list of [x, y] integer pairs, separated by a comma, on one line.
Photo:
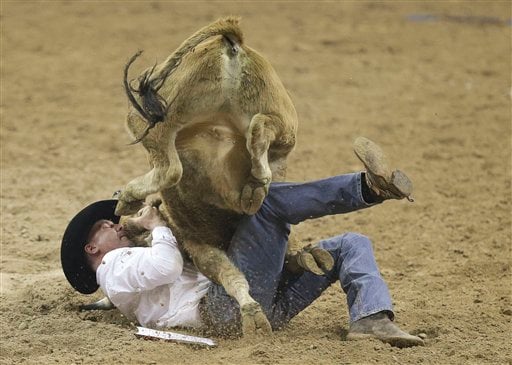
{"points": [[159, 288]]}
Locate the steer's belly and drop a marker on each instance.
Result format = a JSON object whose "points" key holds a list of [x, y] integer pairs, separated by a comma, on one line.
{"points": [[213, 131]]}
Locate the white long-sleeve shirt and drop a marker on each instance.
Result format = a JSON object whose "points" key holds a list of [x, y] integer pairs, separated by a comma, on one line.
{"points": [[153, 284]]}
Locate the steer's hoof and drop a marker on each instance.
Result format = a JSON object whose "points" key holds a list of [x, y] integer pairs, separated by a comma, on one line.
{"points": [[254, 321], [252, 197], [317, 260], [312, 259], [323, 259]]}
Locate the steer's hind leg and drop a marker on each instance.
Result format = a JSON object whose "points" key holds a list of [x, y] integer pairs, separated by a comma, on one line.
{"points": [[269, 140], [215, 265], [260, 134]]}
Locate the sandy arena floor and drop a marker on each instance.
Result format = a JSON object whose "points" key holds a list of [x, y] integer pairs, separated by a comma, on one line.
{"points": [[434, 91]]}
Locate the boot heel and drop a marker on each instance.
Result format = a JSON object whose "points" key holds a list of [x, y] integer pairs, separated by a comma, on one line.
{"points": [[402, 184]]}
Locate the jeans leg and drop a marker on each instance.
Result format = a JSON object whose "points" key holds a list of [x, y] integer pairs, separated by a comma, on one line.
{"points": [[259, 244], [258, 249], [354, 267], [294, 203]]}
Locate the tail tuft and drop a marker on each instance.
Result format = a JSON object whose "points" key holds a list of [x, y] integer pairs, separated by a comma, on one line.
{"points": [[228, 26]]}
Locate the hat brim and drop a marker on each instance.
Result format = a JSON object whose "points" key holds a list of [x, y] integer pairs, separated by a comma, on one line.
{"points": [[72, 254]]}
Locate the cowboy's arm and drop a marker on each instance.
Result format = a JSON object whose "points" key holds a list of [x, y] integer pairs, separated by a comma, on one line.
{"points": [[161, 263], [130, 271]]}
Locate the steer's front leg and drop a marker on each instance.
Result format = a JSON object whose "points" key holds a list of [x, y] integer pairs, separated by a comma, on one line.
{"points": [[166, 171], [136, 191], [215, 265]]}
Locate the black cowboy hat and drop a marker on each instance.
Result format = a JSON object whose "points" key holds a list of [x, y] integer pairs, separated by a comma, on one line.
{"points": [[72, 254]]}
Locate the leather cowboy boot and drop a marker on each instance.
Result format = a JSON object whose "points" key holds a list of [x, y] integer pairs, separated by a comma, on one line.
{"points": [[384, 182], [379, 326]]}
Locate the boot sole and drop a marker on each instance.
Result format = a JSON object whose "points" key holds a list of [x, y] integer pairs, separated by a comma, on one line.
{"points": [[401, 183], [375, 161], [372, 157], [397, 341]]}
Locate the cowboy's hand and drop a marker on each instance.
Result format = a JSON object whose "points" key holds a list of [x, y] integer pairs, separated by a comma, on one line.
{"points": [[148, 218]]}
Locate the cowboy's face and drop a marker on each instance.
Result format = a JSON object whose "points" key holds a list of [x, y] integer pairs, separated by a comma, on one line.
{"points": [[106, 236]]}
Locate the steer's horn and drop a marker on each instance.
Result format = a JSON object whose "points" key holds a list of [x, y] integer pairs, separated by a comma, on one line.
{"points": [[102, 304]]}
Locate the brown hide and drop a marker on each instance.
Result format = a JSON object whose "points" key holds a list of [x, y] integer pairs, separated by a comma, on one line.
{"points": [[229, 127]]}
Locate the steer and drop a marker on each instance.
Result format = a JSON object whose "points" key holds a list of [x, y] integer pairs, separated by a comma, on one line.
{"points": [[218, 125]]}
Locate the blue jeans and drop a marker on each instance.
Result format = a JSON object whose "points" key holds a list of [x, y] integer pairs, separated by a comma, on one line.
{"points": [[259, 245]]}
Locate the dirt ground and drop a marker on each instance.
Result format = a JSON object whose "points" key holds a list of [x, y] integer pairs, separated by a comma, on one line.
{"points": [[434, 91]]}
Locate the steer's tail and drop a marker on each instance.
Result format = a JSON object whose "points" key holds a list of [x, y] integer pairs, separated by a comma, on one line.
{"points": [[153, 107]]}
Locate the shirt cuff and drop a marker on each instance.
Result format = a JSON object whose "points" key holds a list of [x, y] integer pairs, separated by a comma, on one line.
{"points": [[163, 234]]}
